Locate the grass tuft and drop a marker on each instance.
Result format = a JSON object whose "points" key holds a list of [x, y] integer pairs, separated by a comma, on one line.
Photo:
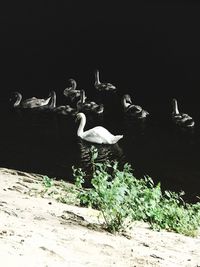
{"points": [[122, 199]]}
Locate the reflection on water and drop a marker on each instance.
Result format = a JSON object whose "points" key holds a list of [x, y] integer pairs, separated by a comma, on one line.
{"points": [[105, 153], [47, 143]]}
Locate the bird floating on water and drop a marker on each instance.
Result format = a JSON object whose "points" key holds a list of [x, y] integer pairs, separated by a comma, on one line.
{"points": [[88, 106], [133, 110], [71, 91], [181, 119], [65, 110], [103, 86], [98, 134], [32, 102]]}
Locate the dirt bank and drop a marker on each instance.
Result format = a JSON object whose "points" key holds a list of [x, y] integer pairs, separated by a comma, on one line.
{"points": [[38, 231]]}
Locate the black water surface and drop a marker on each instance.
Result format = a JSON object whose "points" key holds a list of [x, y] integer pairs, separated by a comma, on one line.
{"points": [[47, 143], [149, 49]]}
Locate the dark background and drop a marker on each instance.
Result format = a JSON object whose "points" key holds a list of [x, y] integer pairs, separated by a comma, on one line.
{"points": [[150, 48]]}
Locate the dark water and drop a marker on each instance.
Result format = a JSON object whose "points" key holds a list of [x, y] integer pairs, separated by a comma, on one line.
{"points": [[47, 143], [149, 49]]}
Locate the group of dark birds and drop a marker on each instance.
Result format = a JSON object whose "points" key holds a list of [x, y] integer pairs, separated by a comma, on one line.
{"points": [[80, 108]]}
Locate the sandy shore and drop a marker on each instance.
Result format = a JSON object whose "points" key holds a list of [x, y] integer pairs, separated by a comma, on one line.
{"points": [[38, 231]]}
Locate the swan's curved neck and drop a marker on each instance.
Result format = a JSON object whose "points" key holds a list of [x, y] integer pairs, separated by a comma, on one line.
{"points": [[175, 107], [97, 81], [83, 97], [52, 101], [17, 102], [81, 126], [81, 101], [74, 85], [126, 103]]}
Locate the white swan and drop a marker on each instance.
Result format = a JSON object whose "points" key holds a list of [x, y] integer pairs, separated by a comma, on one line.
{"points": [[98, 134], [133, 110], [71, 91], [88, 106], [103, 86], [32, 102], [181, 119]]}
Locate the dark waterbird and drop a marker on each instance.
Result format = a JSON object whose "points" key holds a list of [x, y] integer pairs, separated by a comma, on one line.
{"points": [[103, 86], [132, 110], [181, 119], [32, 102], [86, 106], [71, 92]]}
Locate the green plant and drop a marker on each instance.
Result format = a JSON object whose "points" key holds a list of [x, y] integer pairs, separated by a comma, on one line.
{"points": [[48, 182], [122, 199], [79, 174], [60, 190]]}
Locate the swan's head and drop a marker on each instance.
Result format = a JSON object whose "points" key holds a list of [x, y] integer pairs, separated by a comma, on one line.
{"points": [[15, 94], [126, 101], [127, 98], [175, 106], [79, 116], [71, 80], [100, 109], [73, 83], [96, 74], [93, 104], [174, 101], [52, 93], [15, 97], [96, 71]]}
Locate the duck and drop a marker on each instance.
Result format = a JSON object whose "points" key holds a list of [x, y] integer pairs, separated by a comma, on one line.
{"points": [[98, 134], [32, 102], [89, 106], [103, 86], [71, 91], [181, 119], [132, 110]]}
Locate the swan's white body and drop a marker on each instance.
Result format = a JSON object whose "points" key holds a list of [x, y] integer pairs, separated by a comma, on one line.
{"points": [[133, 110], [98, 134], [32, 102], [181, 119], [103, 86]]}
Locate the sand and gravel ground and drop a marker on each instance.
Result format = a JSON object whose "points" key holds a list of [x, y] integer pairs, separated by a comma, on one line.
{"points": [[38, 231]]}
